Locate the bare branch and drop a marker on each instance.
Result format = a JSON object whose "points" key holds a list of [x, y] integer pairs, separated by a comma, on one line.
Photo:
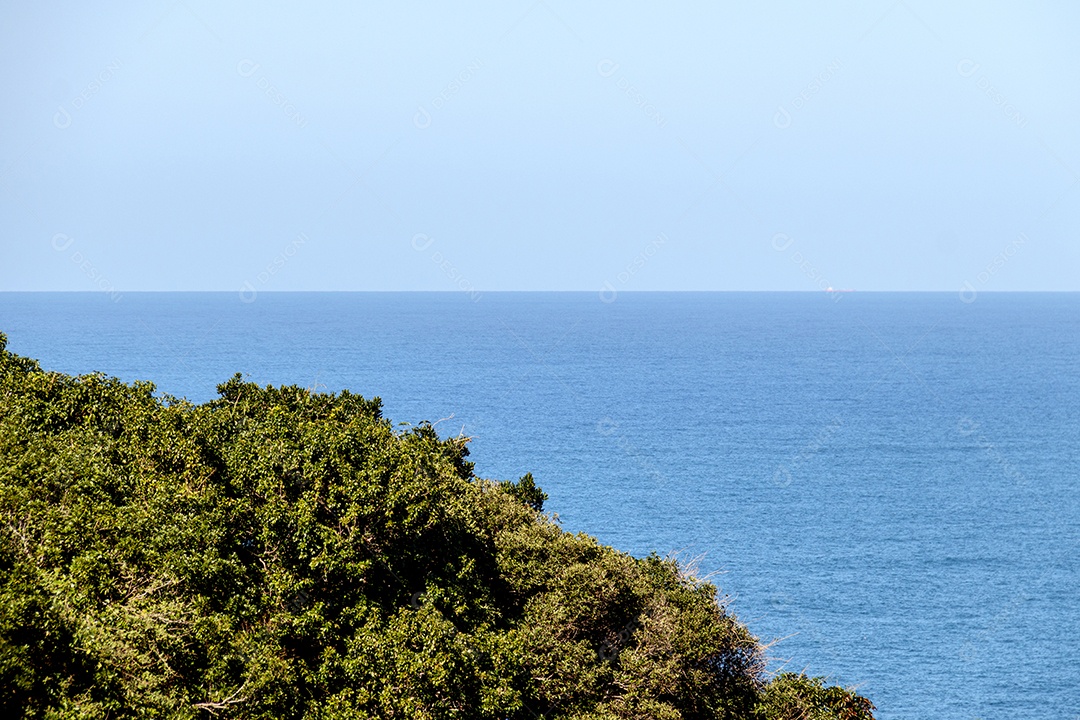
{"points": [[215, 707]]}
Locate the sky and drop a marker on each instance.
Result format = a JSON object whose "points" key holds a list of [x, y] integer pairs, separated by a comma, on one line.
{"points": [[540, 145]]}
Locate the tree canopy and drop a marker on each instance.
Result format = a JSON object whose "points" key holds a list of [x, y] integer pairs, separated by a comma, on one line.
{"points": [[279, 553]]}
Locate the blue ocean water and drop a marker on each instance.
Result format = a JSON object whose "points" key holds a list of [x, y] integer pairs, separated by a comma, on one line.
{"points": [[885, 482]]}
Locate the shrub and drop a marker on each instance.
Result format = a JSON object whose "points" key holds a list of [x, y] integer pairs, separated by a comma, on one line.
{"points": [[277, 553]]}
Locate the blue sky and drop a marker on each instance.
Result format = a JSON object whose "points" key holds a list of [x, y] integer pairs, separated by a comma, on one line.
{"points": [[548, 145]]}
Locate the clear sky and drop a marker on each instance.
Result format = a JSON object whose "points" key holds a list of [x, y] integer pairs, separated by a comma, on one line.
{"points": [[547, 145]]}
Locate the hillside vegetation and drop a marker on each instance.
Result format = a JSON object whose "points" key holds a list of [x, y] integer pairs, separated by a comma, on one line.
{"points": [[277, 553]]}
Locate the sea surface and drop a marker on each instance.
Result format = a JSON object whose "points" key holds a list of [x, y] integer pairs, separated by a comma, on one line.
{"points": [[885, 483]]}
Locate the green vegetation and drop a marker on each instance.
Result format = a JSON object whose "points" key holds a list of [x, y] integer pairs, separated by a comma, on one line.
{"points": [[282, 554]]}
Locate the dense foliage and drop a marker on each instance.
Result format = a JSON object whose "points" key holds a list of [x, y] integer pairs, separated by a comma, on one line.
{"points": [[277, 553]]}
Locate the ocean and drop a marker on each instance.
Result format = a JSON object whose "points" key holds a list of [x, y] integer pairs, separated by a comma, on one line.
{"points": [[885, 484]]}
